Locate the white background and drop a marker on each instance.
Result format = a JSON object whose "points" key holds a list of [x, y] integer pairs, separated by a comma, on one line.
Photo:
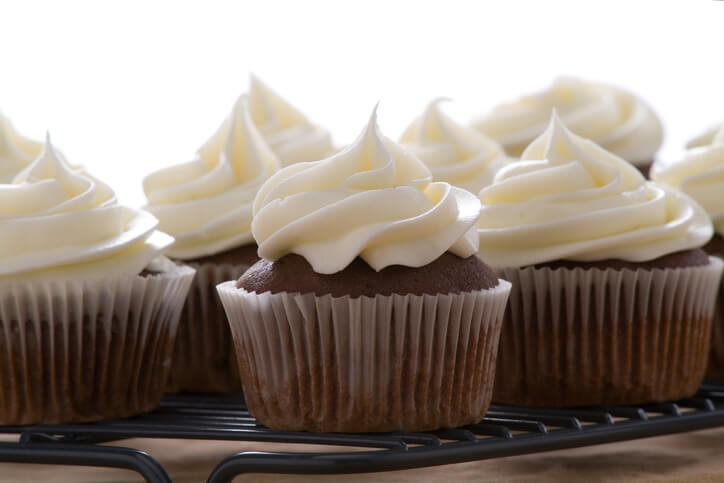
{"points": [[128, 87]]}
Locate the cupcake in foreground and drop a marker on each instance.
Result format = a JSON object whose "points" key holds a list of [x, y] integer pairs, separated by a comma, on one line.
{"points": [[615, 119], [454, 154], [700, 174], [288, 132], [369, 310], [613, 297], [16, 151], [206, 204], [88, 310]]}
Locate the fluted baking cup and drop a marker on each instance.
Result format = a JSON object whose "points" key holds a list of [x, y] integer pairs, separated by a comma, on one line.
{"points": [[73, 351], [575, 337], [204, 357], [715, 369], [382, 363]]}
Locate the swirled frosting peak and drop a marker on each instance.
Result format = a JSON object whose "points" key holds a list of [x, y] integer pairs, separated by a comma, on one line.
{"points": [[16, 151], [613, 118], [206, 204], [61, 223], [289, 133], [569, 199], [707, 137], [455, 154], [374, 200], [700, 174]]}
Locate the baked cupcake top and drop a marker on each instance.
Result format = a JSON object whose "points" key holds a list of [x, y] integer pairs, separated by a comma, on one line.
{"points": [[374, 200], [57, 223], [700, 174], [16, 151], [289, 133], [613, 118], [454, 154], [569, 199], [206, 204]]}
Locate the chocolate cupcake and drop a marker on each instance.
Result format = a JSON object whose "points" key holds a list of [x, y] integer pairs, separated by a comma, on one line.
{"points": [[612, 298], [88, 310], [368, 310], [455, 154], [700, 174], [615, 119], [16, 151], [206, 204]]}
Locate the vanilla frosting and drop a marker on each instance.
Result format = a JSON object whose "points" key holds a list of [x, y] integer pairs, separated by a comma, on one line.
{"points": [[569, 199], [705, 138], [16, 151], [57, 223], [700, 174], [291, 136], [613, 118], [455, 154], [374, 200], [206, 204]]}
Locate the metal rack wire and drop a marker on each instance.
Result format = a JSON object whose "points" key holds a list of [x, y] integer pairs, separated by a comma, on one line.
{"points": [[505, 431]]}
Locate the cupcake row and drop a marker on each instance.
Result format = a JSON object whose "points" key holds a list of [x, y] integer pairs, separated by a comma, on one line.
{"points": [[366, 290]]}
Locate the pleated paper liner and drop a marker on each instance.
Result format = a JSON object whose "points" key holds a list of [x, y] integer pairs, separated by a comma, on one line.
{"points": [[715, 370], [204, 357], [382, 363], [73, 351], [574, 337]]}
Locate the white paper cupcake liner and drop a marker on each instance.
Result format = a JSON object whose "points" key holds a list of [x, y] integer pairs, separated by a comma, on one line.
{"points": [[590, 336], [204, 356], [74, 351], [382, 363]]}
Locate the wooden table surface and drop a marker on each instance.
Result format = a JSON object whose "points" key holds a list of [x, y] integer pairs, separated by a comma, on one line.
{"points": [[687, 457]]}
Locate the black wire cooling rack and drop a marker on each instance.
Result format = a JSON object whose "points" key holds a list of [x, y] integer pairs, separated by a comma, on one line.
{"points": [[505, 431]]}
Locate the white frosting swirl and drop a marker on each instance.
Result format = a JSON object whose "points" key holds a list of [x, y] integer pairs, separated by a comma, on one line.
{"points": [[291, 136], [700, 174], [374, 200], [57, 223], [613, 118], [569, 199], [706, 138], [455, 154], [206, 204], [16, 151]]}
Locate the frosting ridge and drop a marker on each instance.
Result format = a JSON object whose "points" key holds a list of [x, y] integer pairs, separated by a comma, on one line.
{"points": [[289, 133], [206, 203], [700, 174], [374, 200], [16, 151], [569, 199], [92, 236], [617, 120], [454, 153]]}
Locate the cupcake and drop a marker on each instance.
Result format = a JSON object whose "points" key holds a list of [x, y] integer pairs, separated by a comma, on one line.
{"points": [[88, 310], [206, 204], [16, 151], [368, 310], [615, 119], [454, 154], [613, 297], [288, 132], [700, 174]]}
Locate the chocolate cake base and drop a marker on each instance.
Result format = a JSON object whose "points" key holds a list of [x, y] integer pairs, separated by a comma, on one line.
{"points": [[72, 353], [204, 357], [715, 370], [578, 334], [447, 274]]}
